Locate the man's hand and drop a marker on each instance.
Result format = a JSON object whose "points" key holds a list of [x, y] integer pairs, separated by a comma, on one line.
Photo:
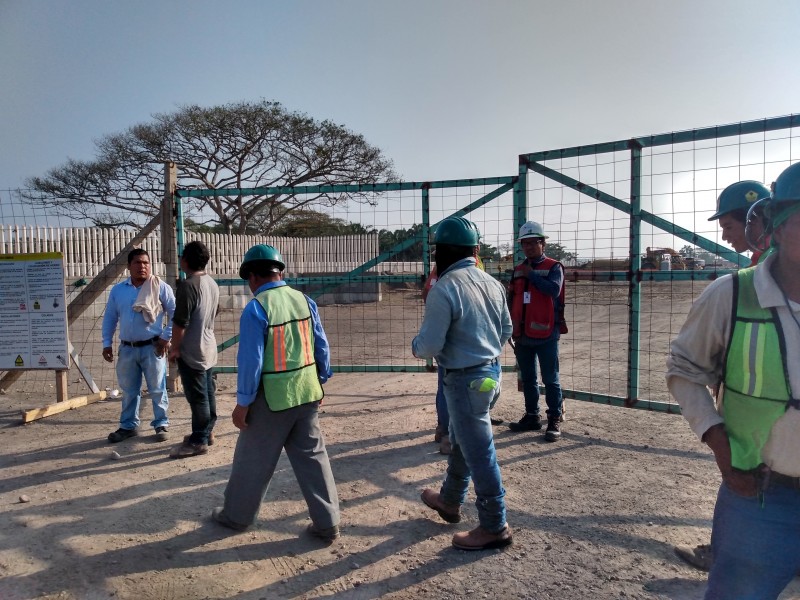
{"points": [[174, 353], [161, 346], [108, 354], [744, 484], [522, 270], [239, 416]]}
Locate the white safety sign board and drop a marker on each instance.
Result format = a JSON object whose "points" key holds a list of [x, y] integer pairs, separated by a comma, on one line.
{"points": [[33, 312]]}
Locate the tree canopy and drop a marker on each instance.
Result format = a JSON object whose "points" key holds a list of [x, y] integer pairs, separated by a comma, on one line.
{"points": [[559, 253], [312, 223], [234, 146]]}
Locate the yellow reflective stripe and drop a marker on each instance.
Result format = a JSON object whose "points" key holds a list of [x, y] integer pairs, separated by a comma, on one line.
{"points": [[760, 344], [754, 343], [746, 356]]}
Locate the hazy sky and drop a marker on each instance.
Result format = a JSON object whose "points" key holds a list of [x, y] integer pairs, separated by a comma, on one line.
{"points": [[447, 88]]}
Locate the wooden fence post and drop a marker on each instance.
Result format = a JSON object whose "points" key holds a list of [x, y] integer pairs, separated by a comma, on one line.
{"points": [[169, 251]]}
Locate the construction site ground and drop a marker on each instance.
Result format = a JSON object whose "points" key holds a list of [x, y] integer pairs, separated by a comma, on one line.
{"points": [[594, 516]]}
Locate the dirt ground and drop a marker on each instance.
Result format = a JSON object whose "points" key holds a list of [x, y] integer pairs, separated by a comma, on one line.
{"points": [[594, 515]]}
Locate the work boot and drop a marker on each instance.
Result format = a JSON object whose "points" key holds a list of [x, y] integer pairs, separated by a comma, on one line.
{"points": [[445, 447], [326, 534], [439, 433], [121, 434], [449, 512], [187, 449], [553, 432], [220, 517], [188, 438], [480, 539], [528, 422], [699, 556]]}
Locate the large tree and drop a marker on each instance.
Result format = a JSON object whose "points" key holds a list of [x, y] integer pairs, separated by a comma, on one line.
{"points": [[312, 223], [558, 252], [244, 145]]}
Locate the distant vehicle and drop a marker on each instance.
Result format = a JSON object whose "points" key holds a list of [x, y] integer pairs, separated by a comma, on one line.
{"points": [[698, 264], [654, 256]]}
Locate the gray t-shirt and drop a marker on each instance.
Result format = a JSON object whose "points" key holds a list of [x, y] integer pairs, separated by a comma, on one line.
{"points": [[196, 304]]}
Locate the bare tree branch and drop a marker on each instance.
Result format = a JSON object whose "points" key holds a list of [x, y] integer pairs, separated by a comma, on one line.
{"points": [[241, 146]]}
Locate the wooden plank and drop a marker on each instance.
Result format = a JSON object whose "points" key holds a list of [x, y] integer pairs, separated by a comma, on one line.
{"points": [[52, 409], [62, 391]]}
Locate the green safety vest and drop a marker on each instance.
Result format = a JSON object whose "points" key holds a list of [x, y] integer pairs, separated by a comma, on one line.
{"points": [[289, 371], [756, 382]]}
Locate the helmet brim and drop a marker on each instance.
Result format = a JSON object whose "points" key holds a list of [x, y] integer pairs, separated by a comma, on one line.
{"points": [[246, 268]]}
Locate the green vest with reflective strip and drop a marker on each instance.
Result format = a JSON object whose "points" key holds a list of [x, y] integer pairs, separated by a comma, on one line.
{"points": [[289, 371], [756, 381]]}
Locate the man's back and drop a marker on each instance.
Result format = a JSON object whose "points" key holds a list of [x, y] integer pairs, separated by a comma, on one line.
{"points": [[199, 347], [474, 304]]}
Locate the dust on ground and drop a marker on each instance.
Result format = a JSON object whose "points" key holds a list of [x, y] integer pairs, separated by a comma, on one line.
{"points": [[594, 515]]}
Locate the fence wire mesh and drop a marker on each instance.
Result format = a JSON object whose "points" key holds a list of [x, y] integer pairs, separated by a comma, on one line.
{"points": [[629, 220]]}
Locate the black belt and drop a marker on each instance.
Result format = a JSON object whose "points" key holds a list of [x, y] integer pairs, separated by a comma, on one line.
{"points": [[139, 344], [767, 477], [478, 366], [783, 480]]}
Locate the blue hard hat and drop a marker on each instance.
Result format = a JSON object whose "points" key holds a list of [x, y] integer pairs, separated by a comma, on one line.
{"points": [[457, 231], [259, 253], [742, 194], [787, 186]]}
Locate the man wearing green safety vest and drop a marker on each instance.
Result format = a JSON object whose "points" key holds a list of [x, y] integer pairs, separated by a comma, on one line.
{"points": [[733, 205], [744, 330], [282, 361]]}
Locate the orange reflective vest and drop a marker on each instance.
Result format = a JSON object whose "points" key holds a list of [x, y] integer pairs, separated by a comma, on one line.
{"points": [[534, 314]]}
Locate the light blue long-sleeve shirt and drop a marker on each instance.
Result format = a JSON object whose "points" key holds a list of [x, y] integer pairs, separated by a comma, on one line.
{"points": [[253, 329], [466, 319], [132, 326]]}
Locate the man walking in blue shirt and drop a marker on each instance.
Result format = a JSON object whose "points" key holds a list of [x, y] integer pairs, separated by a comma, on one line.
{"points": [[282, 361], [465, 327]]}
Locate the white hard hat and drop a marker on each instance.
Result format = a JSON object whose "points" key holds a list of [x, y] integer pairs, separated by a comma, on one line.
{"points": [[531, 229]]}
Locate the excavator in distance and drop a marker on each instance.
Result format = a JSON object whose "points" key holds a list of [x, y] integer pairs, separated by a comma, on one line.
{"points": [[654, 256]]}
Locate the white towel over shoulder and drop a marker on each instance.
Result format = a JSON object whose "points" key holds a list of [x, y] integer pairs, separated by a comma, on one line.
{"points": [[148, 302]]}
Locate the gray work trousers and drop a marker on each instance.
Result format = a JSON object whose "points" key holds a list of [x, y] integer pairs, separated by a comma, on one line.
{"points": [[257, 452]]}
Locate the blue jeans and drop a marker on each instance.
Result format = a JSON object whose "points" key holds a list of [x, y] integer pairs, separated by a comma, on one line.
{"points": [[442, 414], [755, 548], [547, 354], [132, 365], [200, 388], [470, 395]]}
